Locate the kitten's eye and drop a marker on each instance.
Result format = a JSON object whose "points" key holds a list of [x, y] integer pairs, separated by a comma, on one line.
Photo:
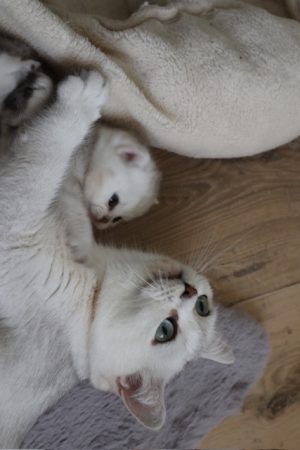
{"points": [[166, 331], [117, 219], [113, 201], [202, 306]]}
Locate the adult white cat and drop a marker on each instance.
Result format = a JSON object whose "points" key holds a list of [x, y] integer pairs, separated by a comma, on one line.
{"points": [[128, 323]]}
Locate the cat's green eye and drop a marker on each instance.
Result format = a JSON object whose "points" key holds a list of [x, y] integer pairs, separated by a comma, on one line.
{"points": [[202, 306], [166, 331]]}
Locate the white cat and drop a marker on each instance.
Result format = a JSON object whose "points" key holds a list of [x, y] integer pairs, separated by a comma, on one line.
{"points": [[128, 322], [112, 178]]}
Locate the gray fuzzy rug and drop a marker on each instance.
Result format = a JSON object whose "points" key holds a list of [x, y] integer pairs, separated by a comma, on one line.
{"points": [[197, 400]]}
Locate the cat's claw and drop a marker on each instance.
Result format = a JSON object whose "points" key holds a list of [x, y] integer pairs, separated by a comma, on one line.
{"points": [[87, 91]]}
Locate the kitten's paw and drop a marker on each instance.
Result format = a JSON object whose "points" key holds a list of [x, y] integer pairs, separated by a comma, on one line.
{"points": [[80, 250], [86, 92], [29, 97]]}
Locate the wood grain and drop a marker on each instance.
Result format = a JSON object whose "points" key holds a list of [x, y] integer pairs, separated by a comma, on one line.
{"points": [[239, 222]]}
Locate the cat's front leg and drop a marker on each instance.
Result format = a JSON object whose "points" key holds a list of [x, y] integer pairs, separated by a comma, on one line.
{"points": [[80, 239], [77, 224], [32, 175]]}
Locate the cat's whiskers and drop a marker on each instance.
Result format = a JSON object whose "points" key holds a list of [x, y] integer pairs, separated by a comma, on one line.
{"points": [[201, 258], [145, 282], [204, 263]]}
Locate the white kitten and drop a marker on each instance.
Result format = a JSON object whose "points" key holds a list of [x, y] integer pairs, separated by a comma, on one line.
{"points": [[128, 322], [112, 179]]}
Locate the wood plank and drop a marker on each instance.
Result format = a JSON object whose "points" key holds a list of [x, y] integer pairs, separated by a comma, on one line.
{"points": [[237, 219], [271, 413]]}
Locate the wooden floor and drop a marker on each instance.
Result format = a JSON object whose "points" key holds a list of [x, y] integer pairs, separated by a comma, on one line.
{"points": [[240, 221]]}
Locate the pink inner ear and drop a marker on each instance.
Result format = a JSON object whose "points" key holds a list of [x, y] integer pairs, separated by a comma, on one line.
{"points": [[148, 407], [129, 156], [133, 384]]}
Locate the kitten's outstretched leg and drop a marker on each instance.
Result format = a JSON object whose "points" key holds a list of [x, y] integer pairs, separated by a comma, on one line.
{"points": [[32, 172], [78, 227]]}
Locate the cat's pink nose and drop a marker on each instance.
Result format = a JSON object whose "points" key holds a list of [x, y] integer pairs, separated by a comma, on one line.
{"points": [[189, 291]]}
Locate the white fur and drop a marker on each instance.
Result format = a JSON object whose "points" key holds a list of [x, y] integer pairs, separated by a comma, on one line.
{"points": [[49, 335], [100, 169]]}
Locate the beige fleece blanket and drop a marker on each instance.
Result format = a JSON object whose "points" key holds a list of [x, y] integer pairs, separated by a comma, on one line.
{"points": [[203, 78]]}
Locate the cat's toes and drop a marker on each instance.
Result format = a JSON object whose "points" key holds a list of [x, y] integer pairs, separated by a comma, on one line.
{"points": [[95, 91], [88, 91], [80, 251], [70, 88]]}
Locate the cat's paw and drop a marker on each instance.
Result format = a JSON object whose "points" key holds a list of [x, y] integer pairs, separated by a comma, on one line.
{"points": [[29, 97], [86, 92], [80, 251]]}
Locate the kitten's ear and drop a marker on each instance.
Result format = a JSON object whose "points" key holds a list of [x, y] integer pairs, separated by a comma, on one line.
{"points": [[218, 350], [134, 155], [145, 400]]}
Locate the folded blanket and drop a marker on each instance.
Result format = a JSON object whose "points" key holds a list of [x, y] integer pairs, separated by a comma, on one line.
{"points": [[216, 78]]}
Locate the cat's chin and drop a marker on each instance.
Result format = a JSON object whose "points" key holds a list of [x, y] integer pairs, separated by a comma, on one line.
{"points": [[103, 384]]}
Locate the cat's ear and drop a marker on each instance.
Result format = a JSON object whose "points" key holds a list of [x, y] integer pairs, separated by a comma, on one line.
{"points": [[218, 350], [134, 155], [144, 399]]}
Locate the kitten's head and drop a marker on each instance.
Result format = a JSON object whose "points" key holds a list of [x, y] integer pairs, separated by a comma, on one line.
{"points": [[153, 315], [122, 180]]}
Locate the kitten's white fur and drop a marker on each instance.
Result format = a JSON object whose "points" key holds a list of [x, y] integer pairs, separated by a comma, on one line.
{"points": [[60, 321], [112, 161]]}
